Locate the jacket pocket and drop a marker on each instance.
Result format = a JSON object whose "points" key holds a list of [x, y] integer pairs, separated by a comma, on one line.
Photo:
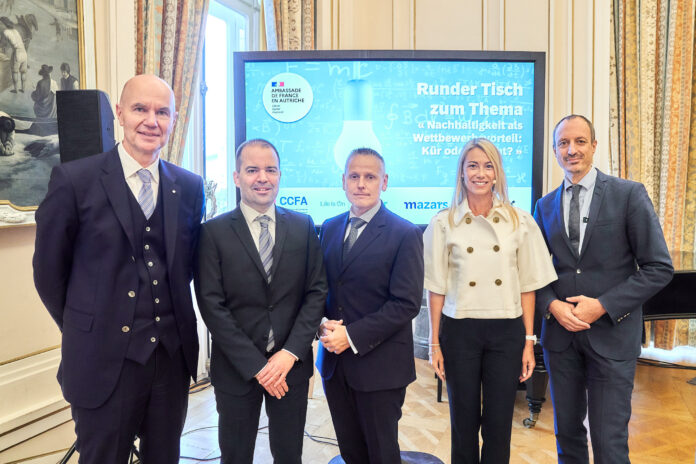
{"points": [[77, 320]]}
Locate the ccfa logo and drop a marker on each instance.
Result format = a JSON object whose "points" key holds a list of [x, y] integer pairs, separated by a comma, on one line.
{"points": [[293, 201]]}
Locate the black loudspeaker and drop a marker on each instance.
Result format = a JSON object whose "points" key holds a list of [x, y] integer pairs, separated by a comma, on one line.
{"points": [[85, 123]]}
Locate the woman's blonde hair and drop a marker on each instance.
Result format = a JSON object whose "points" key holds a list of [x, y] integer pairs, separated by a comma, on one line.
{"points": [[500, 190]]}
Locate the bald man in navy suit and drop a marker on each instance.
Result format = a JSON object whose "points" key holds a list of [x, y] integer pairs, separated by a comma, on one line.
{"points": [[115, 238]]}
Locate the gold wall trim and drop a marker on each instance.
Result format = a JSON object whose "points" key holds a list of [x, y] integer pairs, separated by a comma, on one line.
{"points": [[29, 355]]}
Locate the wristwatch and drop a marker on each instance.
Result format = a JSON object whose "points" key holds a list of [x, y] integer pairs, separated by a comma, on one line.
{"points": [[533, 338]]}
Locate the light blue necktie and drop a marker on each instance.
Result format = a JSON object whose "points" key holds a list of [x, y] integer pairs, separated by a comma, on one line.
{"points": [[145, 198], [266, 253]]}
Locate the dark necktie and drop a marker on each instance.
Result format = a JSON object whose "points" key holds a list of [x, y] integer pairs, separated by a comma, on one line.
{"points": [[355, 224], [574, 217]]}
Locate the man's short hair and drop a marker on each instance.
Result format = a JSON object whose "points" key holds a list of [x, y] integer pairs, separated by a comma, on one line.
{"points": [[573, 116], [364, 151], [65, 67], [263, 143]]}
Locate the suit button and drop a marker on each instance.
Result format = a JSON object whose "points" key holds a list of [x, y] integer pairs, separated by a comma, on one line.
{"points": [[157, 319], [156, 300], [147, 229], [270, 307], [154, 282], [125, 329], [153, 339], [131, 294], [470, 249], [147, 247], [496, 248], [578, 271], [472, 284], [340, 308], [150, 263], [498, 282], [133, 258], [468, 220]]}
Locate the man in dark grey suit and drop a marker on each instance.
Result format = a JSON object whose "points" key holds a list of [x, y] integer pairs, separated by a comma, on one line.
{"points": [[261, 289], [610, 255]]}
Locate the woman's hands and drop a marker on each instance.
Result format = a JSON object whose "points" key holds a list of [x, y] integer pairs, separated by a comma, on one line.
{"points": [[437, 361], [528, 361]]}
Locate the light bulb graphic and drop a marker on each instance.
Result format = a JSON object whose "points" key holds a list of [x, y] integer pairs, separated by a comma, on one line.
{"points": [[357, 129]]}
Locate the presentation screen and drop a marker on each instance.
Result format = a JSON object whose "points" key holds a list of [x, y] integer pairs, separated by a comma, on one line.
{"points": [[416, 108]]}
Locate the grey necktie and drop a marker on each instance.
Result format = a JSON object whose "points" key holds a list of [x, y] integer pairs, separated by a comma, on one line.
{"points": [[266, 253], [145, 199], [574, 217], [265, 245], [355, 224]]}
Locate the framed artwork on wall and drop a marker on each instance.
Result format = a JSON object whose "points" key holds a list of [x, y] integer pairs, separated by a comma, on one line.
{"points": [[42, 51]]}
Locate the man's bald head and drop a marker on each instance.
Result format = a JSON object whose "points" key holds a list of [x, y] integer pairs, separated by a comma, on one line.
{"points": [[140, 82], [146, 111]]}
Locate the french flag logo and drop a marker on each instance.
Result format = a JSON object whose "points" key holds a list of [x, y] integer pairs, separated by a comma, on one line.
{"points": [[277, 84]]}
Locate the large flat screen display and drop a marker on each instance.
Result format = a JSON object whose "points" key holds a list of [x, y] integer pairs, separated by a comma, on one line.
{"points": [[416, 108]]}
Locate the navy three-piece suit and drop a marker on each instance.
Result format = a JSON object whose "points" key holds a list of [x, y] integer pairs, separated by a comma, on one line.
{"points": [[118, 286]]}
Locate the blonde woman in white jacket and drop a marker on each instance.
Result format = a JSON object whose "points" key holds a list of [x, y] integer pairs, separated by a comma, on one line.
{"points": [[484, 259]]}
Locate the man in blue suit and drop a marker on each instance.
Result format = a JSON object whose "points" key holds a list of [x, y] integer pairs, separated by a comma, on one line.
{"points": [[115, 238], [374, 264], [610, 256]]}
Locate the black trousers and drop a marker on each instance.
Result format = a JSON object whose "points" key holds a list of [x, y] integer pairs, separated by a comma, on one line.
{"points": [[483, 360], [239, 423], [584, 382], [149, 401], [366, 423]]}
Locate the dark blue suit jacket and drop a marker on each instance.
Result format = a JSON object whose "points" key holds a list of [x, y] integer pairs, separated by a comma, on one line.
{"points": [[623, 261], [84, 267], [239, 306], [377, 290]]}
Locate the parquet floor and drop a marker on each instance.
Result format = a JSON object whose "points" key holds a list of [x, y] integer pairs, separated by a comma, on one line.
{"points": [[662, 427]]}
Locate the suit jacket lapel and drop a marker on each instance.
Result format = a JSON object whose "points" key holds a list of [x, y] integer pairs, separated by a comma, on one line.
{"points": [[171, 196], [240, 227], [281, 232], [373, 229], [595, 206], [116, 190]]}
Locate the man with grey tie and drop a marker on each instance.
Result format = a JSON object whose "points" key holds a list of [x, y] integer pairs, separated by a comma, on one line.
{"points": [[610, 256], [261, 290]]}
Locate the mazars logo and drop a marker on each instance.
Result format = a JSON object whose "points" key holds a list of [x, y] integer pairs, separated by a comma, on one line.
{"points": [[293, 201], [426, 204]]}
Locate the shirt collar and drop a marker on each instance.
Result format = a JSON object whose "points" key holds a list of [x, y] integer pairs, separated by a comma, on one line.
{"points": [[369, 214], [250, 214], [130, 166], [587, 181], [463, 211]]}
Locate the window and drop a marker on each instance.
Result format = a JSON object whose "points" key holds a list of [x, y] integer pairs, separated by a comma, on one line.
{"points": [[232, 26]]}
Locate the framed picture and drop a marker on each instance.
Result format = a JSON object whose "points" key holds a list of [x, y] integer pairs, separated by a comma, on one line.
{"points": [[41, 52]]}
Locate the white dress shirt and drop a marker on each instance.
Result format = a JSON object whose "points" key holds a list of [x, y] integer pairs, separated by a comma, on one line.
{"points": [[130, 171], [587, 183]]}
